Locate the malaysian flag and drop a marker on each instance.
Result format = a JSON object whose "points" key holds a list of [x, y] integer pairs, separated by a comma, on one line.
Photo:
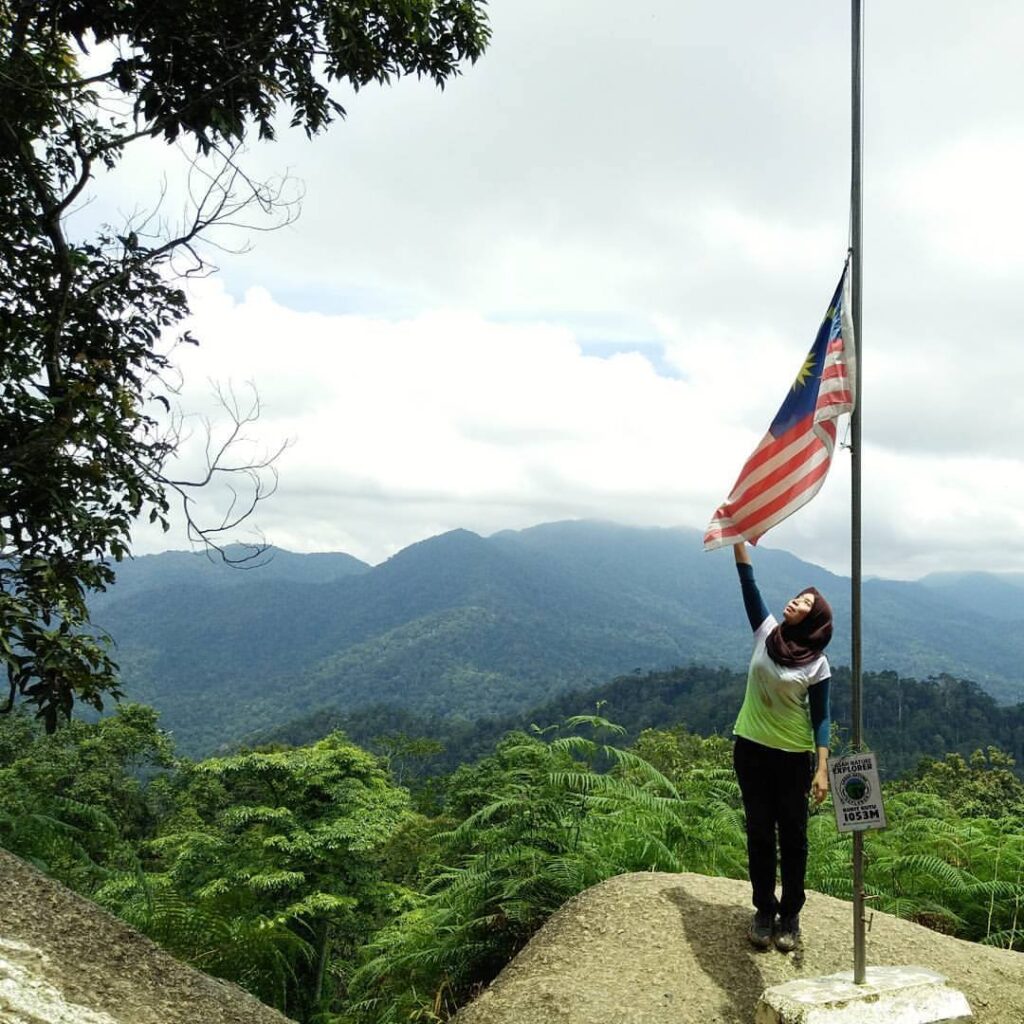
{"points": [[788, 467]]}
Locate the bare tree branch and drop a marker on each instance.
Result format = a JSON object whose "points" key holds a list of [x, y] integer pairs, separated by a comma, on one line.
{"points": [[259, 474]]}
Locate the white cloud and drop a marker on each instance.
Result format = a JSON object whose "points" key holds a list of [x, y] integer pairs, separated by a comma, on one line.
{"points": [[404, 428], [777, 248], [448, 410], [968, 204], [671, 178]]}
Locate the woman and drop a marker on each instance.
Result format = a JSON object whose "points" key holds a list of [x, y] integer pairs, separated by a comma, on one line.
{"points": [[784, 720]]}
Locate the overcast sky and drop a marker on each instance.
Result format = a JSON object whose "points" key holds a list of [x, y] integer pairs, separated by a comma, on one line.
{"points": [[578, 282]]}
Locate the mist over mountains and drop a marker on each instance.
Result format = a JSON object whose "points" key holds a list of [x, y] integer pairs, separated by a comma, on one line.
{"points": [[464, 626]]}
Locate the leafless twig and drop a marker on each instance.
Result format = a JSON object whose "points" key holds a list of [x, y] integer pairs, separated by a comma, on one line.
{"points": [[249, 481]]}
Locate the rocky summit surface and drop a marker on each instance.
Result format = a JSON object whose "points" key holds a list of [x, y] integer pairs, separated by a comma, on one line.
{"points": [[672, 949], [637, 949], [63, 960]]}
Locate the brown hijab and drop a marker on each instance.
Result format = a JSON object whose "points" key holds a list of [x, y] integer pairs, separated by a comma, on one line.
{"points": [[792, 646]]}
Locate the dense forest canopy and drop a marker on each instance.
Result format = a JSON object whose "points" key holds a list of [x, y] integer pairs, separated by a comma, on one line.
{"points": [[905, 719], [308, 874]]}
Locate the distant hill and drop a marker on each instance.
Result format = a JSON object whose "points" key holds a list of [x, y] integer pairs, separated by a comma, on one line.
{"points": [[1000, 597], [904, 720], [464, 626], [242, 568]]}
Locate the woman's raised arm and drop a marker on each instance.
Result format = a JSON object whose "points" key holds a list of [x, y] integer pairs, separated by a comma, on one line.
{"points": [[755, 607]]}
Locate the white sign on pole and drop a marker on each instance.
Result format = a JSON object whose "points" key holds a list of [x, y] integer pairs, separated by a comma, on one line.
{"points": [[856, 792]]}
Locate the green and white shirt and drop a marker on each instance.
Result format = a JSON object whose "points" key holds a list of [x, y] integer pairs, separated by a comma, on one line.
{"points": [[775, 711]]}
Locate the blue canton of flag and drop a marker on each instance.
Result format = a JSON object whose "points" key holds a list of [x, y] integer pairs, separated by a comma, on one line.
{"points": [[789, 466]]}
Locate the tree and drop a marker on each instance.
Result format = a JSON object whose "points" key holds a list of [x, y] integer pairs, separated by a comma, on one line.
{"points": [[400, 751], [85, 391], [534, 824], [266, 871], [73, 802], [983, 787]]}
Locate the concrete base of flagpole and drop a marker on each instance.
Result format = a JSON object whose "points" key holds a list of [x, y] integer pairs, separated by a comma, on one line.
{"points": [[890, 995]]}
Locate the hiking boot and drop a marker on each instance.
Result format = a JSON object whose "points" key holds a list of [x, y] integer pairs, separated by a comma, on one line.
{"points": [[787, 933], [760, 931]]}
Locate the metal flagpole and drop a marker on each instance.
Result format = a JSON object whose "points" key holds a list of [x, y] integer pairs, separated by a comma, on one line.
{"points": [[856, 251]]}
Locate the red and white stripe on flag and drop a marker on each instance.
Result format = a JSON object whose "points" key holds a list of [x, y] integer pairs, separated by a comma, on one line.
{"points": [[787, 469]]}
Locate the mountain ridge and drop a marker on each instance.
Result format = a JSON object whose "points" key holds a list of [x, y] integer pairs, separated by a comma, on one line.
{"points": [[464, 625]]}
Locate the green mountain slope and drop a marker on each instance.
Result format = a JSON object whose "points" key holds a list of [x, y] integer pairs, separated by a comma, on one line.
{"points": [[904, 719], [1001, 597], [464, 626]]}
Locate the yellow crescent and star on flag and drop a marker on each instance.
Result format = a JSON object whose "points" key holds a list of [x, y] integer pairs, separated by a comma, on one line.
{"points": [[789, 465]]}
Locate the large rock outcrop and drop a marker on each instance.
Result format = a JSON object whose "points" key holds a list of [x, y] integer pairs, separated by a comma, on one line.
{"points": [[671, 949], [63, 960]]}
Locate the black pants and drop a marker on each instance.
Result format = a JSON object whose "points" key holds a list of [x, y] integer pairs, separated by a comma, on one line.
{"points": [[774, 784]]}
